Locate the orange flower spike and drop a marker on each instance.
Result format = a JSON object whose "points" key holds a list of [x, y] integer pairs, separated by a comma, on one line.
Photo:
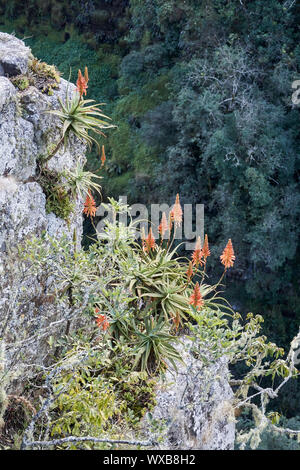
{"points": [[197, 254], [81, 84], [177, 211], [190, 272], [103, 157], [163, 226], [227, 257], [196, 298], [206, 250], [90, 206], [102, 322], [150, 242], [86, 75]]}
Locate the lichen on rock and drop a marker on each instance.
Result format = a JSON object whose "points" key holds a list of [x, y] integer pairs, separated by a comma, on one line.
{"points": [[194, 404]]}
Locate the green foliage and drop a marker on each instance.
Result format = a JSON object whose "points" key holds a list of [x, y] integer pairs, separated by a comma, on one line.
{"points": [[160, 281], [269, 438], [21, 82], [43, 70], [79, 117], [96, 391], [144, 296], [115, 304], [80, 181], [43, 76], [84, 403], [143, 317], [227, 334], [155, 345], [62, 190], [59, 202], [58, 197]]}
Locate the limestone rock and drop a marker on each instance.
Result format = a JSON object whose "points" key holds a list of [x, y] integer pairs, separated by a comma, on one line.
{"points": [[18, 150], [194, 405], [26, 132], [22, 209], [14, 55]]}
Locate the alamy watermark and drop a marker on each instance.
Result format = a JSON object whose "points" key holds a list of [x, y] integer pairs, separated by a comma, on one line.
{"points": [[142, 219], [296, 94]]}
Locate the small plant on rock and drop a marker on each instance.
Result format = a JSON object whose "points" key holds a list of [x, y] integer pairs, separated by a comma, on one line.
{"points": [[80, 116], [81, 181]]}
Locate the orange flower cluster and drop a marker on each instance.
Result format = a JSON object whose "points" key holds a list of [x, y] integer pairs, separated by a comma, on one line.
{"points": [[90, 206], [196, 298], [163, 226], [197, 254], [82, 82], [176, 212], [190, 272], [103, 157], [200, 253], [101, 320], [205, 249], [227, 257], [149, 242]]}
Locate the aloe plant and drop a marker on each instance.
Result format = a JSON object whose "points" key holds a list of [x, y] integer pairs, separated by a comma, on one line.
{"points": [[81, 181], [80, 116], [155, 345]]}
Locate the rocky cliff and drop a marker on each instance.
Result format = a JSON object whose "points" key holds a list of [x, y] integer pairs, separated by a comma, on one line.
{"points": [[28, 89], [193, 403], [26, 133]]}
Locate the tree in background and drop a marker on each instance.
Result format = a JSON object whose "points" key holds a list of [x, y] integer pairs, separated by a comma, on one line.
{"points": [[201, 93]]}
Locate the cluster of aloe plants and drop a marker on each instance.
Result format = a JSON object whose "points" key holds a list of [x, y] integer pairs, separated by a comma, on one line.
{"points": [[163, 292], [161, 289], [137, 299]]}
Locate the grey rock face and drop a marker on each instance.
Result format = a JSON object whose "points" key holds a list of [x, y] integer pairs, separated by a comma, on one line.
{"points": [[195, 405], [18, 209], [14, 55], [18, 149], [26, 132]]}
